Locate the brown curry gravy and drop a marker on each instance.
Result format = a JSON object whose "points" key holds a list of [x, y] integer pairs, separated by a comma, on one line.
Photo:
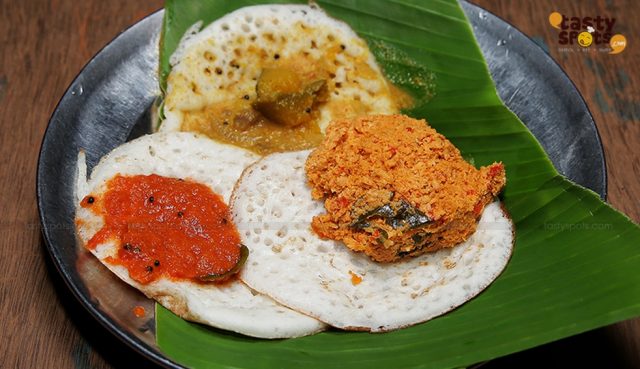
{"points": [[235, 121]]}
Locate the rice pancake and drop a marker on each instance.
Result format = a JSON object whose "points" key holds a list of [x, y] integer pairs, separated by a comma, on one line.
{"points": [[212, 87], [177, 155], [273, 208]]}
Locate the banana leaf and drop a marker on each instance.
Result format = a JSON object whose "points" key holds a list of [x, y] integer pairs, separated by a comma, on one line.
{"points": [[576, 260]]}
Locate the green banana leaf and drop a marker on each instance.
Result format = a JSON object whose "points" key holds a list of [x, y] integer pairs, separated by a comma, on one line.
{"points": [[576, 260]]}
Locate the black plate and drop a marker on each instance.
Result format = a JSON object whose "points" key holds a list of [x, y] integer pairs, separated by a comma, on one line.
{"points": [[110, 100]]}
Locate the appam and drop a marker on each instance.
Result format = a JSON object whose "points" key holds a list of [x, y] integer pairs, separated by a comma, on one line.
{"points": [[231, 306], [223, 61], [272, 208]]}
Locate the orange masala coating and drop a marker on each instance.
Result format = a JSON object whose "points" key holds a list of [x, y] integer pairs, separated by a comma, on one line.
{"points": [[394, 187]]}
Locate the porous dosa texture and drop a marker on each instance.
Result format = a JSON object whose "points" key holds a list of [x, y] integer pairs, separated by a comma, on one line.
{"points": [[272, 208], [223, 62], [232, 306]]}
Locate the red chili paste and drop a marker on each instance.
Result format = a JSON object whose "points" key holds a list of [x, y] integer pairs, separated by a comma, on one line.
{"points": [[165, 227], [139, 311]]}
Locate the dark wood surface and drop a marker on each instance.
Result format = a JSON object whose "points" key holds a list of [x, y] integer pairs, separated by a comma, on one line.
{"points": [[44, 44]]}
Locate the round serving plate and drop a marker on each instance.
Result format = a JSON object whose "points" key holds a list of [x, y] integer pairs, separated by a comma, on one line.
{"points": [[110, 102]]}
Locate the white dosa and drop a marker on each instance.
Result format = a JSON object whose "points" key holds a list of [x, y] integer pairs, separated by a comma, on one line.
{"points": [[232, 307], [223, 62], [273, 208]]}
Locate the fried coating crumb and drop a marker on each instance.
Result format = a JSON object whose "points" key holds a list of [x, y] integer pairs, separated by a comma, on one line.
{"points": [[393, 187]]}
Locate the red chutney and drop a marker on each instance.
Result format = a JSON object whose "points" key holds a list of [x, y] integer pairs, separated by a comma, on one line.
{"points": [[139, 311], [165, 227]]}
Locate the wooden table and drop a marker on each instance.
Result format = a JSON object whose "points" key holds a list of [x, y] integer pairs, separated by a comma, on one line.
{"points": [[44, 44]]}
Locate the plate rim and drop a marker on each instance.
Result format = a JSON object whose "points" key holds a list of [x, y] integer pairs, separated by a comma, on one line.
{"points": [[566, 78], [105, 321]]}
